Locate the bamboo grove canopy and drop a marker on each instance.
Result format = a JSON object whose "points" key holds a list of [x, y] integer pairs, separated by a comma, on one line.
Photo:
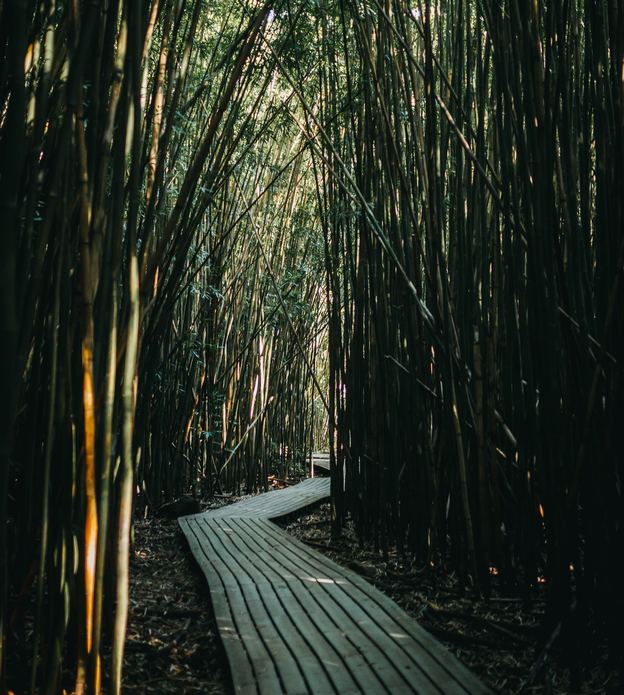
{"points": [[232, 232]]}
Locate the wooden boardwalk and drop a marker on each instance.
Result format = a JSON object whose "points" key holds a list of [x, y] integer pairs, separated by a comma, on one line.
{"points": [[292, 621], [320, 460]]}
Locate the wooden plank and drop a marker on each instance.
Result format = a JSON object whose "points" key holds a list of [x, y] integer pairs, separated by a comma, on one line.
{"points": [[277, 502], [292, 621], [230, 630], [320, 460], [361, 640], [246, 595], [391, 650], [294, 625], [430, 655], [350, 672]]}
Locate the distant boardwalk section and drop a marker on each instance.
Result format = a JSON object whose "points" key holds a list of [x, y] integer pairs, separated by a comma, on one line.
{"points": [[292, 621], [320, 460]]}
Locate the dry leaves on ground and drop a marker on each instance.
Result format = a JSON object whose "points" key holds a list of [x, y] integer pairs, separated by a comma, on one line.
{"points": [[172, 644]]}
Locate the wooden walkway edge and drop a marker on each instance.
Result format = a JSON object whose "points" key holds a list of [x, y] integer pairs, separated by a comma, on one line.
{"points": [[292, 621]]}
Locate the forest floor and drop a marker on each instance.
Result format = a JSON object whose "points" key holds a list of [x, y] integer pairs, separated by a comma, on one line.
{"points": [[173, 646]]}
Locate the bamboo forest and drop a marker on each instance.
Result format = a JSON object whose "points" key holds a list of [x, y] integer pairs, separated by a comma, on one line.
{"points": [[311, 346]]}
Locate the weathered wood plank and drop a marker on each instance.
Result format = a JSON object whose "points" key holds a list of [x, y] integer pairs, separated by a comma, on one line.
{"points": [[369, 604], [246, 594], [361, 639], [377, 633], [277, 503], [320, 460], [349, 671], [289, 617], [230, 629]]}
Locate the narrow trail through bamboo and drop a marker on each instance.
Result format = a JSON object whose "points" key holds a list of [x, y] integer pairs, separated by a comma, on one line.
{"points": [[292, 621]]}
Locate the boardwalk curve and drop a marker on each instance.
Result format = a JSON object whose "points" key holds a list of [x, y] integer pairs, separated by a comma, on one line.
{"points": [[292, 621]]}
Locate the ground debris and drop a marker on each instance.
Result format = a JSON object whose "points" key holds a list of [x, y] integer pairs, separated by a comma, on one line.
{"points": [[172, 643], [181, 507]]}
